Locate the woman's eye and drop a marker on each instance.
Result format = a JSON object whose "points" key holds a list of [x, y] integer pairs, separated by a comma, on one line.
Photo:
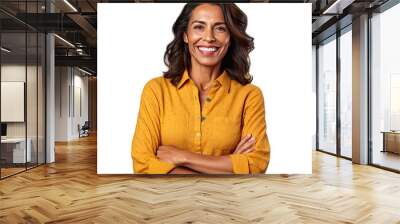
{"points": [[221, 29], [198, 27]]}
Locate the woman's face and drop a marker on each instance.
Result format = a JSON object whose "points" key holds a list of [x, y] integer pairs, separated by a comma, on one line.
{"points": [[207, 35]]}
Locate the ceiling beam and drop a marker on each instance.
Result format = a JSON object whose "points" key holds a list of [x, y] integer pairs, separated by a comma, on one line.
{"points": [[85, 61], [337, 6], [320, 22], [84, 24]]}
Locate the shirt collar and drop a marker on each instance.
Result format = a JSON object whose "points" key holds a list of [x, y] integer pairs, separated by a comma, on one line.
{"points": [[184, 78], [224, 80]]}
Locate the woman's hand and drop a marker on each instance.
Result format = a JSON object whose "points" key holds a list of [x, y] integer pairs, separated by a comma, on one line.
{"points": [[245, 145], [182, 170], [172, 155]]}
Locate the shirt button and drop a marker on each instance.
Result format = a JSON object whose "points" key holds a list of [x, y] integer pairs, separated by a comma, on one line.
{"points": [[198, 134], [208, 99], [203, 118]]}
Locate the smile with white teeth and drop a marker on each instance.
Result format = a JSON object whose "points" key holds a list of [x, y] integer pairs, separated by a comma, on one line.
{"points": [[208, 49]]}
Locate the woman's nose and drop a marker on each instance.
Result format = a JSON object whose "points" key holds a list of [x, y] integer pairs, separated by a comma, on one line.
{"points": [[209, 35]]}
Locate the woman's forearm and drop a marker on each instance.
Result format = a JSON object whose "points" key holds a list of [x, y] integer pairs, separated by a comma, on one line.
{"points": [[182, 170], [201, 163], [208, 164]]}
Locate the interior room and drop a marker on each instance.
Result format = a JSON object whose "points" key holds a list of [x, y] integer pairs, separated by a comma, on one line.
{"points": [[48, 150]]}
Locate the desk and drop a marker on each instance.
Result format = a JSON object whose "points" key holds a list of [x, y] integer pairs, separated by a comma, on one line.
{"points": [[391, 141], [16, 147]]}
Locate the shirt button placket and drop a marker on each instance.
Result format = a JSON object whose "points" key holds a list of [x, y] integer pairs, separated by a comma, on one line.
{"points": [[197, 123]]}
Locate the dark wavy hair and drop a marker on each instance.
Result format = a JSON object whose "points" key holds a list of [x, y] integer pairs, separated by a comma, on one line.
{"points": [[236, 61]]}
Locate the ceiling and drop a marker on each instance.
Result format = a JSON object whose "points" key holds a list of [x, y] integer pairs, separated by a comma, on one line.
{"points": [[76, 22]]}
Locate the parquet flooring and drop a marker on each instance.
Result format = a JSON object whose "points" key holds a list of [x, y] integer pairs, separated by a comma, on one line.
{"points": [[70, 191], [387, 159], [10, 171]]}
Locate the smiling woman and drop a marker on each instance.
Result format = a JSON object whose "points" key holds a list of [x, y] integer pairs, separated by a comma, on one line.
{"points": [[203, 115]]}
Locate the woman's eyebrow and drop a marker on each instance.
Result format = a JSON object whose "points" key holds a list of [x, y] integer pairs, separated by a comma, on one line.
{"points": [[202, 22], [219, 23], [198, 21]]}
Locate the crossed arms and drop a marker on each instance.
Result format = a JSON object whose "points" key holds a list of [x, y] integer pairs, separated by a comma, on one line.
{"points": [[191, 163]]}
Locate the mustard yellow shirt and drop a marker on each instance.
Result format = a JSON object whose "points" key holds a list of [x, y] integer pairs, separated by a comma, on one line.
{"points": [[171, 115]]}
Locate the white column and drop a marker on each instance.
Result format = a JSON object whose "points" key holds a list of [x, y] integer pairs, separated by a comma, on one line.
{"points": [[50, 93]]}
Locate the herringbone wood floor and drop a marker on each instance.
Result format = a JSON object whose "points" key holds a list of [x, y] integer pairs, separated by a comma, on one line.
{"points": [[70, 191]]}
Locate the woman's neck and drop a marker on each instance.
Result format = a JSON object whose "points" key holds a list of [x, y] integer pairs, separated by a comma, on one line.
{"points": [[203, 76]]}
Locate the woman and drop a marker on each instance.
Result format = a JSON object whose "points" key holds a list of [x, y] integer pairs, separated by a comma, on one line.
{"points": [[203, 115]]}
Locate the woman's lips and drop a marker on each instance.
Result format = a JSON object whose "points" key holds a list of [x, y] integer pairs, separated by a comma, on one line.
{"points": [[208, 51]]}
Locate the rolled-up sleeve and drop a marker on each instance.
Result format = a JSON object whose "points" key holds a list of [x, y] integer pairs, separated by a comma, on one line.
{"points": [[147, 135], [253, 123]]}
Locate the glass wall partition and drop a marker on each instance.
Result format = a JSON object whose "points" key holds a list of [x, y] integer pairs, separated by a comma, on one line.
{"points": [[13, 110], [327, 95], [22, 90], [385, 89]]}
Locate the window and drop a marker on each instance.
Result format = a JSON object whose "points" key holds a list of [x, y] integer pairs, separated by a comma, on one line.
{"points": [[385, 88], [327, 96], [346, 93]]}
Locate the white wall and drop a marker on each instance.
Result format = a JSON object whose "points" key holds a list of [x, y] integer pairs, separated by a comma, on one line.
{"points": [[16, 73], [33, 127], [281, 66], [80, 83], [70, 83], [62, 81]]}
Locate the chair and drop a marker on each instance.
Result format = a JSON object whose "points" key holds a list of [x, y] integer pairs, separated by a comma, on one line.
{"points": [[84, 130]]}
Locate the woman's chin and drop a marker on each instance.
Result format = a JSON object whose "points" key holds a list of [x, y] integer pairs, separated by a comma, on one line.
{"points": [[208, 62]]}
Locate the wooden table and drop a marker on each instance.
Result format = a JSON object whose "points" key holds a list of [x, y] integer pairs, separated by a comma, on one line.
{"points": [[391, 141], [13, 150]]}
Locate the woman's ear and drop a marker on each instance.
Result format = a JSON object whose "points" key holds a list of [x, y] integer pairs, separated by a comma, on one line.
{"points": [[185, 38]]}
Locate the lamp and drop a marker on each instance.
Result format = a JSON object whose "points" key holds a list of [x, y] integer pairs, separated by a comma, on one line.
{"points": [[70, 5], [64, 40], [5, 50]]}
